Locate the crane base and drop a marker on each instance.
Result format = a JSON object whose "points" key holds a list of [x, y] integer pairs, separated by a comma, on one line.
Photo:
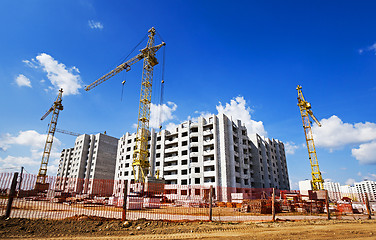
{"points": [[41, 187]]}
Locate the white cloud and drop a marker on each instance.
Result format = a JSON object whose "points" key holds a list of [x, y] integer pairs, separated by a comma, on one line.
{"points": [[95, 25], [32, 141], [31, 63], [161, 113], [203, 114], [17, 162], [22, 81], [334, 133], [350, 181], [365, 154], [238, 109], [290, 147], [371, 176], [59, 75], [171, 126], [29, 138], [368, 176], [371, 48]]}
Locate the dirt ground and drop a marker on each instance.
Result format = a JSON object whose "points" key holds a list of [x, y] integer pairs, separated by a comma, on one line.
{"points": [[83, 227]]}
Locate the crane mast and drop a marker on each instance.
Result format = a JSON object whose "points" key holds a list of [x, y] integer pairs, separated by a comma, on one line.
{"points": [[140, 162], [305, 111], [55, 109]]}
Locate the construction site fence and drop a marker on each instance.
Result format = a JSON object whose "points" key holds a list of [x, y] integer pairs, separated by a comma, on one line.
{"points": [[70, 198]]}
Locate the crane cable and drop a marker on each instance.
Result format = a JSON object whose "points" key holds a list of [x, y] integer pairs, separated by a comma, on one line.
{"points": [[143, 39], [123, 60], [162, 85], [122, 88]]}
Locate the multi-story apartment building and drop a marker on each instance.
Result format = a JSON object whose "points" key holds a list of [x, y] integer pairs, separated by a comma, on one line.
{"points": [[334, 190], [368, 187], [337, 192], [349, 192], [85, 168], [212, 151]]}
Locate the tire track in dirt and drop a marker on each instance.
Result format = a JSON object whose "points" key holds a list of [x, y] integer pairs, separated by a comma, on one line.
{"points": [[343, 231], [196, 234]]}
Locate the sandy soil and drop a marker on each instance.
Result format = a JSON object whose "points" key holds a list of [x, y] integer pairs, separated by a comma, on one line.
{"points": [[83, 227]]}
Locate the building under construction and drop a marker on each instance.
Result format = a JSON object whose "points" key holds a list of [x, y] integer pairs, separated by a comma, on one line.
{"points": [[215, 151], [91, 158]]}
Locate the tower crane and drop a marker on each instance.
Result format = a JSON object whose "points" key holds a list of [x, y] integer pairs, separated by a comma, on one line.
{"points": [[41, 184], [140, 155], [305, 111], [67, 132], [74, 133]]}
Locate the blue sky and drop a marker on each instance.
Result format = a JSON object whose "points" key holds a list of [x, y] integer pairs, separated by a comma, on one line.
{"points": [[244, 58]]}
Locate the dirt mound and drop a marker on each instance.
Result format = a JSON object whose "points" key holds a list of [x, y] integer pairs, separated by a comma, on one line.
{"points": [[86, 227], [91, 218], [82, 225]]}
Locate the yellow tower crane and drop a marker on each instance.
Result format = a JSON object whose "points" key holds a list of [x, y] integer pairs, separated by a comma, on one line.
{"points": [[305, 111], [68, 132], [140, 156], [41, 184]]}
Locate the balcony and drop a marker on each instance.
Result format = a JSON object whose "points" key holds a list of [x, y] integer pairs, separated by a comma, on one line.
{"points": [[207, 132], [193, 154], [209, 180], [194, 134], [209, 174], [171, 158], [171, 150], [171, 178], [210, 168], [209, 141], [170, 168], [170, 172], [209, 163], [171, 140], [208, 152]]}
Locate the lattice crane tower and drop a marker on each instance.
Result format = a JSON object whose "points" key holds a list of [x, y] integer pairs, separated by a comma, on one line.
{"points": [[140, 156], [41, 184], [305, 111]]}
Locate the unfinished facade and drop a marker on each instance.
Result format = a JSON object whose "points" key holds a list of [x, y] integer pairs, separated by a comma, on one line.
{"points": [[212, 151], [85, 168], [368, 188]]}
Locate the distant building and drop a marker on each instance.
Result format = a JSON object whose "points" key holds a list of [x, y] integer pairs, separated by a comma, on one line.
{"points": [[213, 151], [304, 187], [85, 168], [368, 187], [350, 192], [337, 192], [334, 190]]}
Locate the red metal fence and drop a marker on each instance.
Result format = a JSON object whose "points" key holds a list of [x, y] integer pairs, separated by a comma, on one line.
{"points": [[69, 198]]}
